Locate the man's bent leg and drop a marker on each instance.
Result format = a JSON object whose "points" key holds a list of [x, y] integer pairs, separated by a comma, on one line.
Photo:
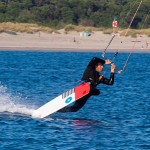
{"points": [[77, 105]]}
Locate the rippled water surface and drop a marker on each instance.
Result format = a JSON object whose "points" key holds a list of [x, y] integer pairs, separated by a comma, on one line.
{"points": [[117, 119]]}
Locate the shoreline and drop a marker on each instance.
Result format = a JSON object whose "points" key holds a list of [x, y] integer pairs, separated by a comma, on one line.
{"points": [[70, 50], [38, 49], [72, 42]]}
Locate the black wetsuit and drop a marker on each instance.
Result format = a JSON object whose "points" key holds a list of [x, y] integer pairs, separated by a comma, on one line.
{"points": [[90, 75]]}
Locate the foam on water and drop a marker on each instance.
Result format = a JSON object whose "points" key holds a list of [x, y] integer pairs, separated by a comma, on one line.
{"points": [[8, 103]]}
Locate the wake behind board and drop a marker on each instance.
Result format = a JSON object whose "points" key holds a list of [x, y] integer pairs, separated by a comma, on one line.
{"points": [[62, 100]]}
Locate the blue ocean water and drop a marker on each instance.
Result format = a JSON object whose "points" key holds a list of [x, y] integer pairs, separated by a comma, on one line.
{"points": [[117, 119]]}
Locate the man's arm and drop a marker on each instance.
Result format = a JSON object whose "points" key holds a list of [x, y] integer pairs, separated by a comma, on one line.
{"points": [[109, 81]]}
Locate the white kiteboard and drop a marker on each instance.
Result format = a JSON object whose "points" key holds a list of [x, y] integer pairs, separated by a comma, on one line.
{"points": [[62, 100]]}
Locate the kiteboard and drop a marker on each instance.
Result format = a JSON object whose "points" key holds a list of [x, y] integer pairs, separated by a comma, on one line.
{"points": [[62, 100]]}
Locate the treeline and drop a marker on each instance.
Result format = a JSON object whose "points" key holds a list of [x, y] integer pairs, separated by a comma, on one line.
{"points": [[58, 13]]}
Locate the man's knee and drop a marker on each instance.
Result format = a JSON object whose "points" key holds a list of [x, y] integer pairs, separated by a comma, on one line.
{"points": [[95, 92]]}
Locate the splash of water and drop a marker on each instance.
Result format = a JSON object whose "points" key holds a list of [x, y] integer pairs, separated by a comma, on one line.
{"points": [[8, 103]]}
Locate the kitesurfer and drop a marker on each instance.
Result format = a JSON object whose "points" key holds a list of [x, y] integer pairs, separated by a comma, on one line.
{"points": [[91, 74]]}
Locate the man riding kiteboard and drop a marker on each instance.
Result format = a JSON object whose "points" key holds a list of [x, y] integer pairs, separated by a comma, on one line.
{"points": [[91, 74]]}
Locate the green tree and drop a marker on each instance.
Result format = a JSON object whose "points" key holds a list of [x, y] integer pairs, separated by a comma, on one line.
{"points": [[98, 13]]}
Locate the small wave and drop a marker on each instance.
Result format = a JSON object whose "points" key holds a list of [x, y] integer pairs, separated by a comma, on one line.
{"points": [[8, 103]]}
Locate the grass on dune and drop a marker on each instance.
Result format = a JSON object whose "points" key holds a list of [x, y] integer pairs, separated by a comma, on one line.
{"points": [[24, 27], [32, 28]]}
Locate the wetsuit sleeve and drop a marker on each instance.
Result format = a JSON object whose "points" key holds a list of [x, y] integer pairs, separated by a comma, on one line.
{"points": [[109, 81]]}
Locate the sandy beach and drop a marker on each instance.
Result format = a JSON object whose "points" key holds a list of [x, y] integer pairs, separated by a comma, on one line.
{"points": [[73, 41]]}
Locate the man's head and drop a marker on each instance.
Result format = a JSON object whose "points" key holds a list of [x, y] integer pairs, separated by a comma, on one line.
{"points": [[97, 64], [99, 67]]}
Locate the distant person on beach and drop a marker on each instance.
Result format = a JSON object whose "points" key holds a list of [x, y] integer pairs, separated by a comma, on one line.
{"points": [[147, 44], [91, 74], [74, 40]]}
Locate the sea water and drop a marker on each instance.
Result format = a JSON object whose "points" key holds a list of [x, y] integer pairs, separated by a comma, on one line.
{"points": [[117, 119]]}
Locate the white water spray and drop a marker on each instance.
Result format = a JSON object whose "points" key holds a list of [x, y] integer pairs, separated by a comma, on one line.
{"points": [[8, 104]]}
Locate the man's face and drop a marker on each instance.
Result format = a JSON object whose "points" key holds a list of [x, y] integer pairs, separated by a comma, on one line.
{"points": [[99, 67]]}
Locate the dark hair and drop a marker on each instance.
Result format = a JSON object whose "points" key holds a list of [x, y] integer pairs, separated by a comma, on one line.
{"points": [[95, 62]]}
